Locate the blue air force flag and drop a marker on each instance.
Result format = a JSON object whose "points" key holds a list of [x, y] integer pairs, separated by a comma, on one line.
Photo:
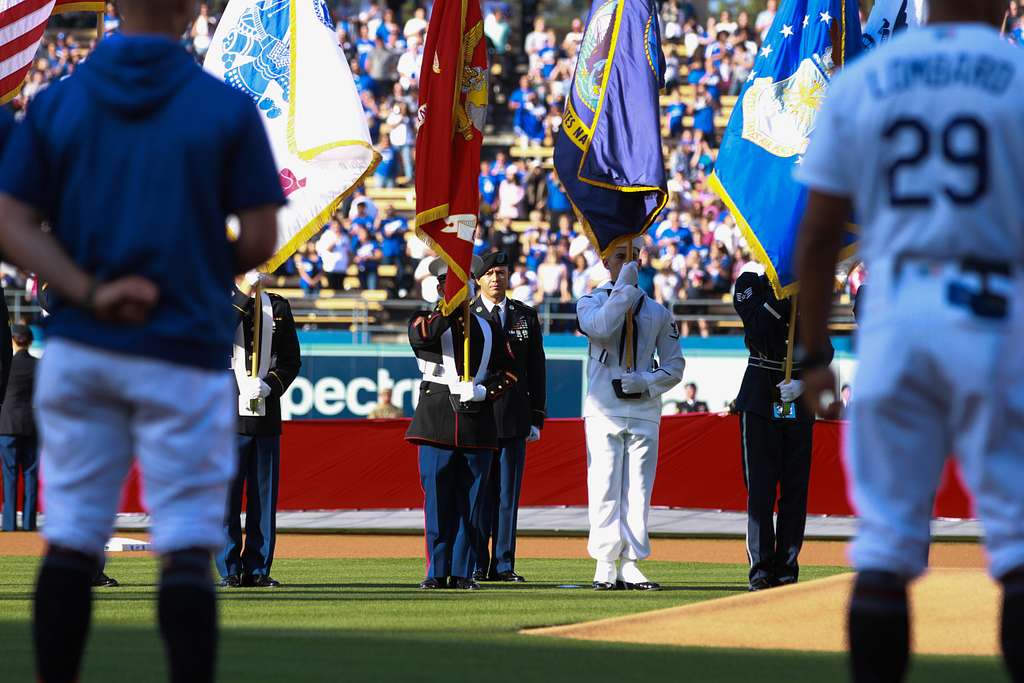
{"points": [[889, 17], [608, 151], [772, 124]]}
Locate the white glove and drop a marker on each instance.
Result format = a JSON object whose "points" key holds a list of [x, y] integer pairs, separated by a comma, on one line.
{"points": [[534, 435], [252, 277], [634, 383], [791, 391], [468, 392], [629, 275], [254, 389]]}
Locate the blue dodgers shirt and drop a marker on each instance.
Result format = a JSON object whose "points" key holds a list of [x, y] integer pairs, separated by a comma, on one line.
{"points": [[136, 161]]}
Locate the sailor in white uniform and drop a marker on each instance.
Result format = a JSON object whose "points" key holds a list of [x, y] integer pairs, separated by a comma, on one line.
{"points": [[622, 415]]}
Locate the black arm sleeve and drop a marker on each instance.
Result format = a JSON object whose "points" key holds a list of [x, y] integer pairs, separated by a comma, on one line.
{"points": [[6, 347], [537, 374], [426, 328], [752, 300], [289, 360]]}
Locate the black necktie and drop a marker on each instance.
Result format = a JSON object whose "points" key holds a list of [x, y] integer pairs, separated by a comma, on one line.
{"points": [[496, 315]]}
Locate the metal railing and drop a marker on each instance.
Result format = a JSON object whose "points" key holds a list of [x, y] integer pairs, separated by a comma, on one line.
{"points": [[374, 321]]}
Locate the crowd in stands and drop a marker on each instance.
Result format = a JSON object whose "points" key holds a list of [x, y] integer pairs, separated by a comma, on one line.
{"points": [[694, 251]]}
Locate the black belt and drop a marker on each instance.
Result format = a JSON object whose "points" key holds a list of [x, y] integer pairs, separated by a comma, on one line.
{"points": [[768, 364], [970, 264]]}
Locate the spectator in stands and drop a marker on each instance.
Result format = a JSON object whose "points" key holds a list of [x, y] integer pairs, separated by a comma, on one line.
{"points": [[202, 31], [416, 26], [553, 278], [507, 240], [488, 190], [691, 404], [764, 20], [536, 39], [558, 201], [111, 20], [391, 234], [511, 195], [309, 268], [522, 284], [402, 136], [385, 409], [367, 257], [409, 65], [387, 169], [382, 66], [335, 250], [536, 187], [497, 29], [666, 285]]}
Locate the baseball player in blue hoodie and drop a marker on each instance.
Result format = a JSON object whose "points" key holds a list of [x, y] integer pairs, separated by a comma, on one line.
{"points": [[135, 162]]}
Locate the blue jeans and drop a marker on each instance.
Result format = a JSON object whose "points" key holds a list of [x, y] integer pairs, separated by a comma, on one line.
{"points": [[20, 452], [501, 509], [454, 483], [259, 468]]}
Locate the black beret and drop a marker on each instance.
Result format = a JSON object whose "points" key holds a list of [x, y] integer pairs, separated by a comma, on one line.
{"points": [[23, 333], [492, 260]]}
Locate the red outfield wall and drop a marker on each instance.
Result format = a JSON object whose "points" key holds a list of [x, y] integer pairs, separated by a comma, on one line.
{"points": [[350, 464], [353, 464]]}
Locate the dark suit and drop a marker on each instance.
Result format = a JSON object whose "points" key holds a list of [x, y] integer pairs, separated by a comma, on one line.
{"points": [[455, 448], [686, 407], [519, 409], [776, 449], [18, 444], [259, 450]]}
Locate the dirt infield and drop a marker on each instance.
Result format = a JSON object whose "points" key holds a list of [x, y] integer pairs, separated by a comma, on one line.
{"points": [[348, 546], [955, 612]]}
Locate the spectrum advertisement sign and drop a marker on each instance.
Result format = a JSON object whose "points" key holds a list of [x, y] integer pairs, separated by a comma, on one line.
{"points": [[341, 381]]}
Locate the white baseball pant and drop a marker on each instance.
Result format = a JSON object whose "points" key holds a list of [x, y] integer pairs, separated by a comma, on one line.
{"points": [[97, 410], [622, 458], [936, 379]]}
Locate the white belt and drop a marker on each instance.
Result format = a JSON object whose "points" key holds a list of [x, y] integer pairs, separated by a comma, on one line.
{"points": [[445, 372]]}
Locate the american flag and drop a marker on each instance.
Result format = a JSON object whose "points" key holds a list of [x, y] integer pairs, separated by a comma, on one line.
{"points": [[22, 24]]}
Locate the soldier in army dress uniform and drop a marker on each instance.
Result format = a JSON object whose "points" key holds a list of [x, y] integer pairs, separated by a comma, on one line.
{"points": [[454, 428], [518, 415]]}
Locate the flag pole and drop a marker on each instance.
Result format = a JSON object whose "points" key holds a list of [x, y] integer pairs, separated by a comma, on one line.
{"points": [[257, 333], [790, 342], [787, 408], [100, 25], [628, 347], [466, 331]]}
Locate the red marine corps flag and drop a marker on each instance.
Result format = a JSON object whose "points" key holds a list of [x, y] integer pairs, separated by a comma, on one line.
{"points": [[453, 106]]}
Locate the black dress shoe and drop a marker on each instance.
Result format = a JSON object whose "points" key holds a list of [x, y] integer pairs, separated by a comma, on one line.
{"points": [[508, 576], [104, 581], [430, 583], [785, 581], [461, 583], [759, 585], [264, 581], [231, 581], [480, 575], [604, 586], [642, 586]]}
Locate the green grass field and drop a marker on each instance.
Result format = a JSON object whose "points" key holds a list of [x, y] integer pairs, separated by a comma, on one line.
{"points": [[364, 620]]}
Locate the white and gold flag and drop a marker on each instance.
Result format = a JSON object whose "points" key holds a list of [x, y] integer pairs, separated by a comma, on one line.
{"points": [[284, 54]]}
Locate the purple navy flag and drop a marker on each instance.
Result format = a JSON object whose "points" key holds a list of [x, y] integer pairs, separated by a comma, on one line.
{"points": [[608, 151]]}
